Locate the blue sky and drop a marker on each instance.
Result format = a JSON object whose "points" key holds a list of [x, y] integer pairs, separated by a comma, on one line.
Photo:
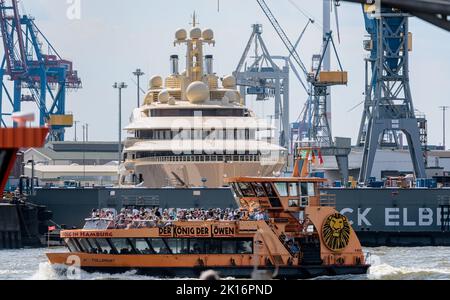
{"points": [[114, 37]]}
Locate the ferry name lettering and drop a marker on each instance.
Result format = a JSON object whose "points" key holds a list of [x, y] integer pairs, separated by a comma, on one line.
{"points": [[82, 234], [180, 231], [165, 231], [223, 231]]}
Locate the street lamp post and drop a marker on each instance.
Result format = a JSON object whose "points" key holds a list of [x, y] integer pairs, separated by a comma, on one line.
{"points": [[138, 73], [31, 161], [444, 110], [120, 86], [75, 123]]}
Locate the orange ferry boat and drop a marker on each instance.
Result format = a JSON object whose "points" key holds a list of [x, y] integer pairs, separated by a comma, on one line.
{"points": [[300, 236]]}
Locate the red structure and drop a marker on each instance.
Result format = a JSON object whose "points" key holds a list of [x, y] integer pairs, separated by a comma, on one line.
{"points": [[13, 139]]}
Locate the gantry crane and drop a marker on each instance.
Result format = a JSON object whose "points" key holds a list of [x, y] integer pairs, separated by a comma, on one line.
{"points": [[388, 107], [42, 78]]}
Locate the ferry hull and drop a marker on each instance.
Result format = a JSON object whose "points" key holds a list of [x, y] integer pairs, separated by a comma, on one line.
{"points": [[245, 272]]}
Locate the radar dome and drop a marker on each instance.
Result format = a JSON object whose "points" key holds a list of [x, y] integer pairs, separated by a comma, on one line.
{"points": [[230, 97], [197, 92], [172, 101], [148, 98], [196, 33], [208, 34], [229, 82], [181, 34], [164, 96], [156, 82]]}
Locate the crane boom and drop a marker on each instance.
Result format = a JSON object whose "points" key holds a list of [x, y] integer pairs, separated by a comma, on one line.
{"points": [[282, 34]]}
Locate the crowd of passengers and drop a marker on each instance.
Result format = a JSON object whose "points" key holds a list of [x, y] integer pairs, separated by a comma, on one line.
{"points": [[157, 217]]}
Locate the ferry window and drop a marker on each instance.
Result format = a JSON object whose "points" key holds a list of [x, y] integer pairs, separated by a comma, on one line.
{"points": [[304, 188], [228, 247], [311, 191], [282, 188], [244, 247], [72, 245], [141, 246], [293, 189], [236, 190], [269, 190], [197, 246], [123, 246], [304, 201], [308, 189], [294, 203], [182, 246], [259, 189], [246, 189], [160, 246], [104, 245], [213, 246], [171, 246], [87, 247]]}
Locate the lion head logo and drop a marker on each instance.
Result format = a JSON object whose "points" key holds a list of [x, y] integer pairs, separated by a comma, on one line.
{"points": [[336, 232]]}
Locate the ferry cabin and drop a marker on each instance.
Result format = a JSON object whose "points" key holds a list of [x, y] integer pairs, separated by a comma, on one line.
{"points": [[295, 236]]}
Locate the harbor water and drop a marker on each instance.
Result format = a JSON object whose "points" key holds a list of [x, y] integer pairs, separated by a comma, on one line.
{"points": [[425, 263]]}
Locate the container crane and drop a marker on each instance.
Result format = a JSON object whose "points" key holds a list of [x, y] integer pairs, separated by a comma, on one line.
{"points": [[42, 78]]}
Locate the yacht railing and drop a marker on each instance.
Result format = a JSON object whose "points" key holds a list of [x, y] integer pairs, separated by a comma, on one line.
{"points": [[209, 158]]}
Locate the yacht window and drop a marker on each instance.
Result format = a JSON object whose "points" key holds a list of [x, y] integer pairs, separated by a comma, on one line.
{"points": [[282, 188], [222, 112], [246, 189], [269, 190], [293, 189], [259, 189], [304, 188]]}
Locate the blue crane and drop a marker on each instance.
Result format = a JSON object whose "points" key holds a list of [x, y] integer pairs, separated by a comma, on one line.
{"points": [[42, 78]]}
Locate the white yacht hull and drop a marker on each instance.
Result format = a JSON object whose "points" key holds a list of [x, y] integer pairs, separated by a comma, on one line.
{"points": [[178, 174]]}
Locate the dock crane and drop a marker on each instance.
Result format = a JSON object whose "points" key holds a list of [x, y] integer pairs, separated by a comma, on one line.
{"points": [[42, 78], [314, 82]]}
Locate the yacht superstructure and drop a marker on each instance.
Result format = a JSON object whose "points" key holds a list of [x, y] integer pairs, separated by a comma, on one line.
{"points": [[193, 131]]}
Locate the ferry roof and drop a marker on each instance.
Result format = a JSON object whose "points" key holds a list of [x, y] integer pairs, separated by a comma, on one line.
{"points": [[218, 146], [181, 122], [275, 179]]}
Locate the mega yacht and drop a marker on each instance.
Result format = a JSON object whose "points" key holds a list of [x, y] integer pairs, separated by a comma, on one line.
{"points": [[193, 128]]}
